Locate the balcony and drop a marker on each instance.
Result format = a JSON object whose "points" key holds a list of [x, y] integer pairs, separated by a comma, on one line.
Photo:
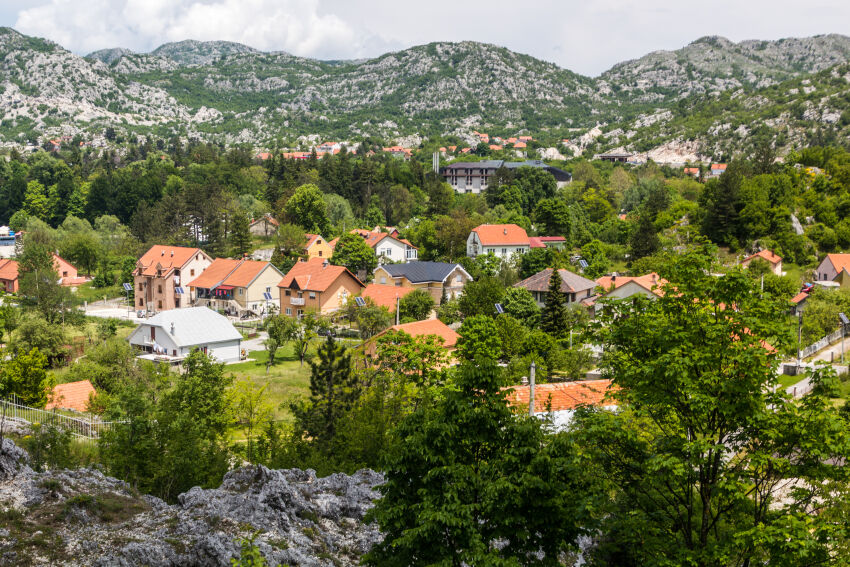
{"points": [[296, 301]]}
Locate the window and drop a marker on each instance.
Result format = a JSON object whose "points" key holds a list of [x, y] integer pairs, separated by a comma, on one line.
{"points": [[504, 251], [141, 302], [159, 288], [174, 352], [458, 279], [312, 295], [241, 290], [268, 290], [383, 280], [153, 333], [192, 272], [320, 253], [141, 287], [159, 304], [198, 257], [64, 274], [398, 283], [289, 311]]}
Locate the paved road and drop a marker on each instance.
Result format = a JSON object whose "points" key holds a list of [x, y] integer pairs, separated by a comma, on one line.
{"points": [[832, 353]]}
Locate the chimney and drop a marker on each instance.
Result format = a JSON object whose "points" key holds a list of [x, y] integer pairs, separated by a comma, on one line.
{"points": [[614, 277], [172, 253], [505, 231], [325, 264]]}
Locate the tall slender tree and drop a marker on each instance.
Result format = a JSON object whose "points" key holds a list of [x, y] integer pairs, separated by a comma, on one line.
{"points": [[553, 318]]}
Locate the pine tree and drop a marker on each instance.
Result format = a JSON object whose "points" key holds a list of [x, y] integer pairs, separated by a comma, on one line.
{"points": [[553, 318], [333, 392], [240, 234]]}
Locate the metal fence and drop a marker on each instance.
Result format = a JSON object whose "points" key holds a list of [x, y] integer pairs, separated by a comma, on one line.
{"points": [[821, 344], [84, 428]]}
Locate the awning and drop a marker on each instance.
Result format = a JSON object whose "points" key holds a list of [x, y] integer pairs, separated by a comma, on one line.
{"points": [[225, 287]]}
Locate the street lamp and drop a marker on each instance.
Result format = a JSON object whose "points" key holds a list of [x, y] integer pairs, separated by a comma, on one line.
{"points": [[844, 322]]}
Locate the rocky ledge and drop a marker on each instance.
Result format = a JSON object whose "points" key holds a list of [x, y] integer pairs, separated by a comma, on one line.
{"points": [[82, 517]]}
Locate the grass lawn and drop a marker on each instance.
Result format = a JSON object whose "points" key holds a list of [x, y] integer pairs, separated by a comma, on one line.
{"points": [[286, 380], [786, 380], [88, 293], [793, 272]]}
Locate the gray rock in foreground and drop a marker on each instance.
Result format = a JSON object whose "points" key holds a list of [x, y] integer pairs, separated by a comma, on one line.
{"points": [[82, 517]]}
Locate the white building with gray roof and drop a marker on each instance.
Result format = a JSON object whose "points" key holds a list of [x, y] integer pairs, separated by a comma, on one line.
{"points": [[171, 335]]}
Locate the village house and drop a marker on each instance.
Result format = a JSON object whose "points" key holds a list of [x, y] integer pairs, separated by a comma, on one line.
{"points": [[65, 270], [473, 177], [161, 275], [718, 169], [799, 302], [617, 157], [578, 289], [264, 226], [72, 396], [772, 259], [399, 152], [317, 286], [387, 247], [622, 287], [436, 278], [559, 401], [502, 240], [238, 287], [386, 295], [427, 327], [692, 171], [317, 247], [557, 242], [834, 268], [170, 336]]}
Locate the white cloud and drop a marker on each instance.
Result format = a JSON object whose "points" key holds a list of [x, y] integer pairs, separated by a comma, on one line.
{"points": [[584, 36], [296, 26]]}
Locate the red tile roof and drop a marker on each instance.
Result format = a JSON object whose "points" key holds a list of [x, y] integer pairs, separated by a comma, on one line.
{"points": [[520, 145], [73, 395], [692, 170], [215, 273], [430, 327], [311, 239], [385, 295], [768, 255], [8, 269], [540, 241], [840, 261], [650, 281], [563, 395], [168, 257], [245, 273], [314, 275], [497, 234], [718, 166], [799, 297]]}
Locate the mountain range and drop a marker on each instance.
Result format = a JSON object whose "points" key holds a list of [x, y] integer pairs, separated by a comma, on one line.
{"points": [[713, 95]]}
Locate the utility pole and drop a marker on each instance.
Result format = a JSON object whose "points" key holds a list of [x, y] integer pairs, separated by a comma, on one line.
{"points": [[531, 389], [397, 308]]}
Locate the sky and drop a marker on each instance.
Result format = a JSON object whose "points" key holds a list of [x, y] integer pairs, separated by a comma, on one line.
{"points": [[585, 36]]}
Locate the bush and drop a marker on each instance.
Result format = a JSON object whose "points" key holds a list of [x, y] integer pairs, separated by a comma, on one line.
{"points": [[49, 447]]}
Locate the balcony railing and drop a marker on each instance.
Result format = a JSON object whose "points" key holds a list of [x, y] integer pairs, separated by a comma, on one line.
{"points": [[296, 301]]}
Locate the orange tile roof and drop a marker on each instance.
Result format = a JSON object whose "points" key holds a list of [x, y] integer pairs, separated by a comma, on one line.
{"points": [[372, 238], [520, 145], [215, 273], [496, 234], [526, 138], [73, 395], [8, 269], [562, 395], [540, 241], [650, 281], [718, 166], [768, 255], [691, 170], [385, 295], [245, 272], [840, 261], [314, 275], [799, 297], [430, 327], [311, 238], [169, 257], [495, 147]]}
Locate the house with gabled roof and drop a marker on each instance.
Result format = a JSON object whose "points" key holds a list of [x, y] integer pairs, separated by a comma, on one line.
{"points": [[317, 286], [577, 289], [622, 287], [317, 247], [435, 278], [161, 276], [385, 295], [65, 270], [773, 259], [386, 246], [559, 401], [171, 335], [9, 275], [718, 169], [557, 242], [434, 327], [264, 226], [834, 268], [238, 287], [502, 240]]}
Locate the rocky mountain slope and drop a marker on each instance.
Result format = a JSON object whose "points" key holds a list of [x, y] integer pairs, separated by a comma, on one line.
{"points": [[231, 93], [81, 517], [715, 64]]}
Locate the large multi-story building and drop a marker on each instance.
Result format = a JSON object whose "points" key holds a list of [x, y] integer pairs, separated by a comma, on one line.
{"points": [[473, 177], [316, 286], [161, 276]]}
